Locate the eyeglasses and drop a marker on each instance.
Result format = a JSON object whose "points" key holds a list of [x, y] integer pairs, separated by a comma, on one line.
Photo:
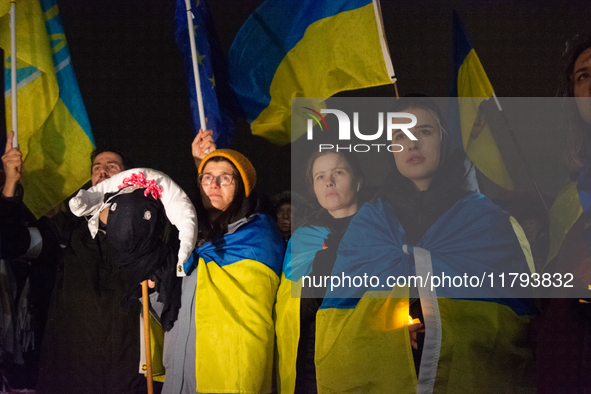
{"points": [[222, 179]]}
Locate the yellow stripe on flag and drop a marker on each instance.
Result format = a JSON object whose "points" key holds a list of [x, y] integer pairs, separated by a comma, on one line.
{"points": [[479, 143], [55, 147], [38, 93], [339, 53]]}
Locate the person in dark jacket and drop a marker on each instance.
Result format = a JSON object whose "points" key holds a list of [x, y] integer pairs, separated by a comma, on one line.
{"points": [[336, 179], [91, 342], [563, 340]]}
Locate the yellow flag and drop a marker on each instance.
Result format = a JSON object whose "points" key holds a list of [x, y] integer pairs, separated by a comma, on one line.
{"points": [[53, 129]]}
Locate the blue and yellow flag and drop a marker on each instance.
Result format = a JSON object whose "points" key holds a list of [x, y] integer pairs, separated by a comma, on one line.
{"points": [[53, 129], [469, 81], [470, 345], [299, 258], [209, 58], [308, 48], [236, 283]]}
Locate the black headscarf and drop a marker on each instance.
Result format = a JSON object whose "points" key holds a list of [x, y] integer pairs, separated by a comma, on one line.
{"points": [[418, 210]]}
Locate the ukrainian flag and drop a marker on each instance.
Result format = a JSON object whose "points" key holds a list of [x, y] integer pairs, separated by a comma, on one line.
{"points": [[472, 87], [308, 48], [53, 129], [564, 213], [298, 262], [471, 345], [573, 200], [236, 283]]}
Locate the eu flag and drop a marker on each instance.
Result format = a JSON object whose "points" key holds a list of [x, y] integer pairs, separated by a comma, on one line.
{"points": [[209, 58]]}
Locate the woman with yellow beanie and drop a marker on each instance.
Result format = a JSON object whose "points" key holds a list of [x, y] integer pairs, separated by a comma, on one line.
{"points": [[223, 340]]}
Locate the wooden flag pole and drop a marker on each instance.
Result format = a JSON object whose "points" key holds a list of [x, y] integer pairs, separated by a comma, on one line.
{"points": [[191, 29], [147, 344], [13, 71]]}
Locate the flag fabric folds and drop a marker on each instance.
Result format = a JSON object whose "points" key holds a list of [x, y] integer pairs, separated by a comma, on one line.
{"points": [[231, 286], [470, 345], [305, 242], [472, 87], [573, 201], [308, 48], [53, 129], [209, 58]]}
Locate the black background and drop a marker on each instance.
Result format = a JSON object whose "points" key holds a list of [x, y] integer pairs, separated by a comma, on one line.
{"points": [[132, 78]]}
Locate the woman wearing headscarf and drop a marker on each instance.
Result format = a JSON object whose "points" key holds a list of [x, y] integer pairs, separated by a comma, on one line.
{"points": [[335, 179], [223, 340], [424, 222]]}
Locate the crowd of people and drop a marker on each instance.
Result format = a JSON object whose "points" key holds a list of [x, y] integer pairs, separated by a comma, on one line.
{"points": [[237, 316]]}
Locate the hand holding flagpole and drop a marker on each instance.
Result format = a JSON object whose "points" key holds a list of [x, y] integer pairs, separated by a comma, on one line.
{"points": [[12, 160], [202, 145]]}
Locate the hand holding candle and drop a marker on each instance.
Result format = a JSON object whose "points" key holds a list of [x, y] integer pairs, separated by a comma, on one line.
{"points": [[414, 327]]}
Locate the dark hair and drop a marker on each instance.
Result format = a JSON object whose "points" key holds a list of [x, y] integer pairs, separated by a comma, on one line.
{"points": [[219, 226], [281, 198], [350, 157], [127, 163], [574, 47], [576, 153]]}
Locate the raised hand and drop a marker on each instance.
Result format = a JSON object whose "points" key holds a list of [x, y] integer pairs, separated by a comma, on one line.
{"points": [[202, 145], [13, 166]]}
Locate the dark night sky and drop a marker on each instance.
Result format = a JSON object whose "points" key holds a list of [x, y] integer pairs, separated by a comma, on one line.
{"points": [[133, 84]]}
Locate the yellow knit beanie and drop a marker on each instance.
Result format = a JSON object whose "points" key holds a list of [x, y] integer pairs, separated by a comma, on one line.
{"points": [[244, 166]]}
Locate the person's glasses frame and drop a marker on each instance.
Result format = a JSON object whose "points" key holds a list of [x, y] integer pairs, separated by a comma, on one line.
{"points": [[222, 179]]}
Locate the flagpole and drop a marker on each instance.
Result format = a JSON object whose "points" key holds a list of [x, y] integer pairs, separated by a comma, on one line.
{"points": [[519, 151], [13, 71], [147, 341], [384, 44], [195, 65]]}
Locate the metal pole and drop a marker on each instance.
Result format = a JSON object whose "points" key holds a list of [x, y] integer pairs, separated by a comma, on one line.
{"points": [[195, 65], [13, 86]]}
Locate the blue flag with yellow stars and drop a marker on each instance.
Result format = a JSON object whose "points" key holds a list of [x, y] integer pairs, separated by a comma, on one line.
{"points": [[209, 58]]}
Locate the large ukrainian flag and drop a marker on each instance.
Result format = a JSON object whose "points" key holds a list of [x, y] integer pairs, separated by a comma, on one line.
{"points": [[307, 48], [472, 87], [470, 346], [236, 284], [53, 129]]}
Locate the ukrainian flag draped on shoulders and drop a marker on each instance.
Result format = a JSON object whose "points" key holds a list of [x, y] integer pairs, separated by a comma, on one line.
{"points": [[303, 245], [237, 280], [565, 211], [307, 48], [569, 239], [471, 345], [53, 129]]}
